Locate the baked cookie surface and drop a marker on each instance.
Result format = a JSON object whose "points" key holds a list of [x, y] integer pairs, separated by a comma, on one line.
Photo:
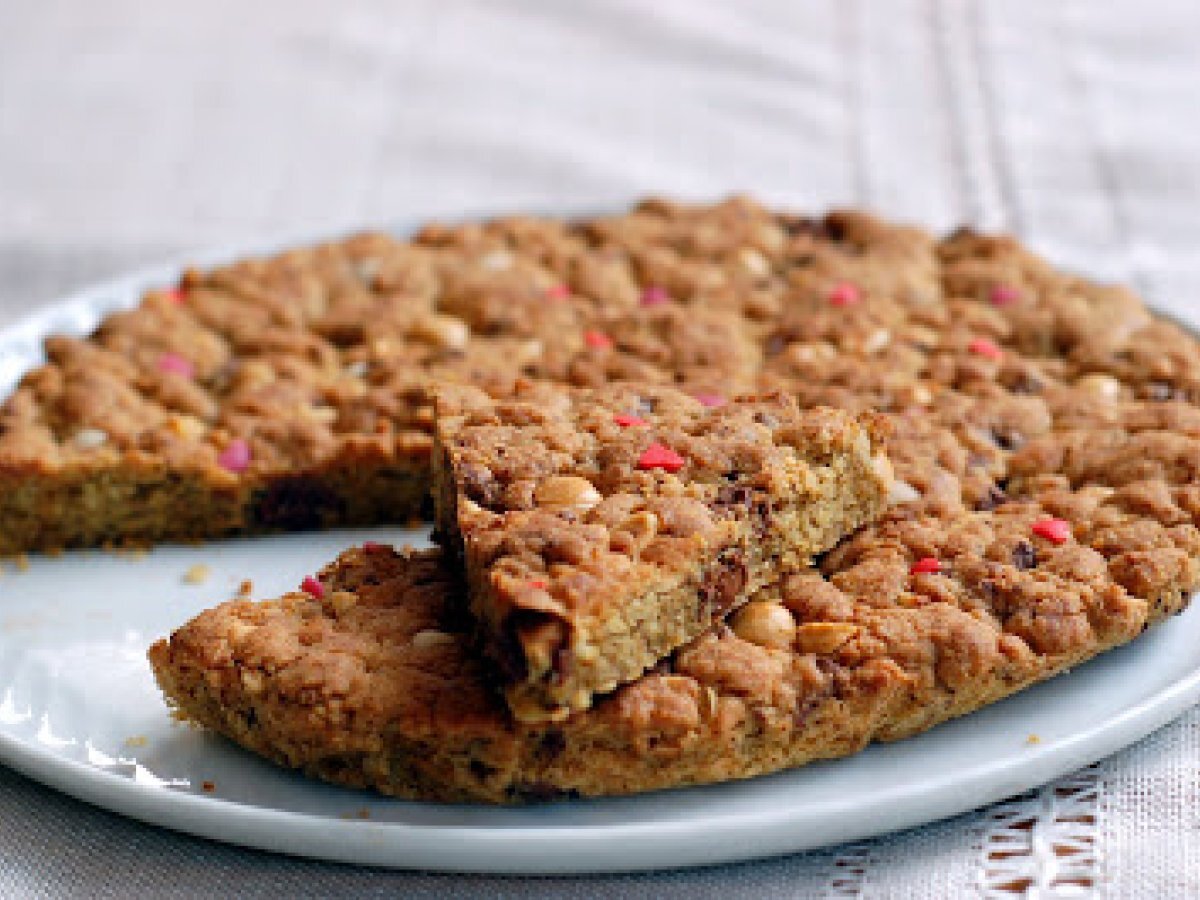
{"points": [[1045, 438], [376, 683], [601, 529]]}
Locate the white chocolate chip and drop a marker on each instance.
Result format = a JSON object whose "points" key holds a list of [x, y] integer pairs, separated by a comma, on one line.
{"points": [[358, 368], [90, 438]]}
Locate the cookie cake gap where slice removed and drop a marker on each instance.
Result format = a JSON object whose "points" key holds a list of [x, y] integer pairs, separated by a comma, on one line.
{"points": [[601, 529]]}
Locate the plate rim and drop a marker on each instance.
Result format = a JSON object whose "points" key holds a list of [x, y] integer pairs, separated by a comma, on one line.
{"points": [[549, 849]]}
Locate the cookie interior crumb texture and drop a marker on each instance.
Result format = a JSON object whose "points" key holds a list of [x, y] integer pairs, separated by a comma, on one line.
{"points": [[601, 529]]}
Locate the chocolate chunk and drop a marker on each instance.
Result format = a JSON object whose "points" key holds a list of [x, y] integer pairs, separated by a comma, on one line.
{"points": [[723, 586], [1007, 438], [552, 744], [991, 499], [479, 484], [481, 770], [1024, 555]]}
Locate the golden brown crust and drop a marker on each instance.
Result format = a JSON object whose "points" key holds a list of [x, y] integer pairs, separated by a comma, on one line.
{"points": [[603, 528], [377, 685]]}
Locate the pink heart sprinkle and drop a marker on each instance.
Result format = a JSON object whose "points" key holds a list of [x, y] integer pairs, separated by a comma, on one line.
{"points": [[176, 295], [558, 292], [597, 340], [986, 348], [310, 585], [710, 400], [1057, 531], [655, 296], [236, 456], [176, 365], [660, 456], [844, 294], [1004, 294], [926, 565]]}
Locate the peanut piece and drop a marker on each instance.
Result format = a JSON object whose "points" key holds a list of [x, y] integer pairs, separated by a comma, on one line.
{"points": [[446, 332], [566, 492], [824, 637], [766, 624]]}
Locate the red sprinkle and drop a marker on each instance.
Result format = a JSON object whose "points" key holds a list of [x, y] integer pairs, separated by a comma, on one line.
{"points": [[597, 340], [655, 296], [236, 456], [176, 295], [659, 456], [844, 294], [538, 584], [710, 400], [1004, 294], [372, 547], [985, 347], [1057, 531], [558, 292], [176, 365], [627, 421], [310, 585], [926, 565]]}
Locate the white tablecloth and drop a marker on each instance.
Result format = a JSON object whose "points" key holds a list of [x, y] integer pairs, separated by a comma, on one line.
{"points": [[130, 131]]}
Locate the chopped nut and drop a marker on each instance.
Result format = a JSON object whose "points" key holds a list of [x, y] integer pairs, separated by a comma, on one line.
{"points": [[707, 702], [877, 340], [326, 415], [342, 601], [754, 262], [766, 624], [1033, 739], [497, 261], [90, 438], [1100, 386], [188, 427], [137, 740], [431, 637], [197, 574], [566, 491], [824, 637], [641, 527], [441, 331], [902, 492]]}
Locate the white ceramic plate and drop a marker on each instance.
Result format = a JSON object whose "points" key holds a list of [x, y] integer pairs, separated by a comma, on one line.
{"points": [[79, 711]]}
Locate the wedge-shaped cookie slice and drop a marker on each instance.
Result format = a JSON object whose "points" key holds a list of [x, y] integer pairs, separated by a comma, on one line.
{"points": [[368, 678], [601, 529]]}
